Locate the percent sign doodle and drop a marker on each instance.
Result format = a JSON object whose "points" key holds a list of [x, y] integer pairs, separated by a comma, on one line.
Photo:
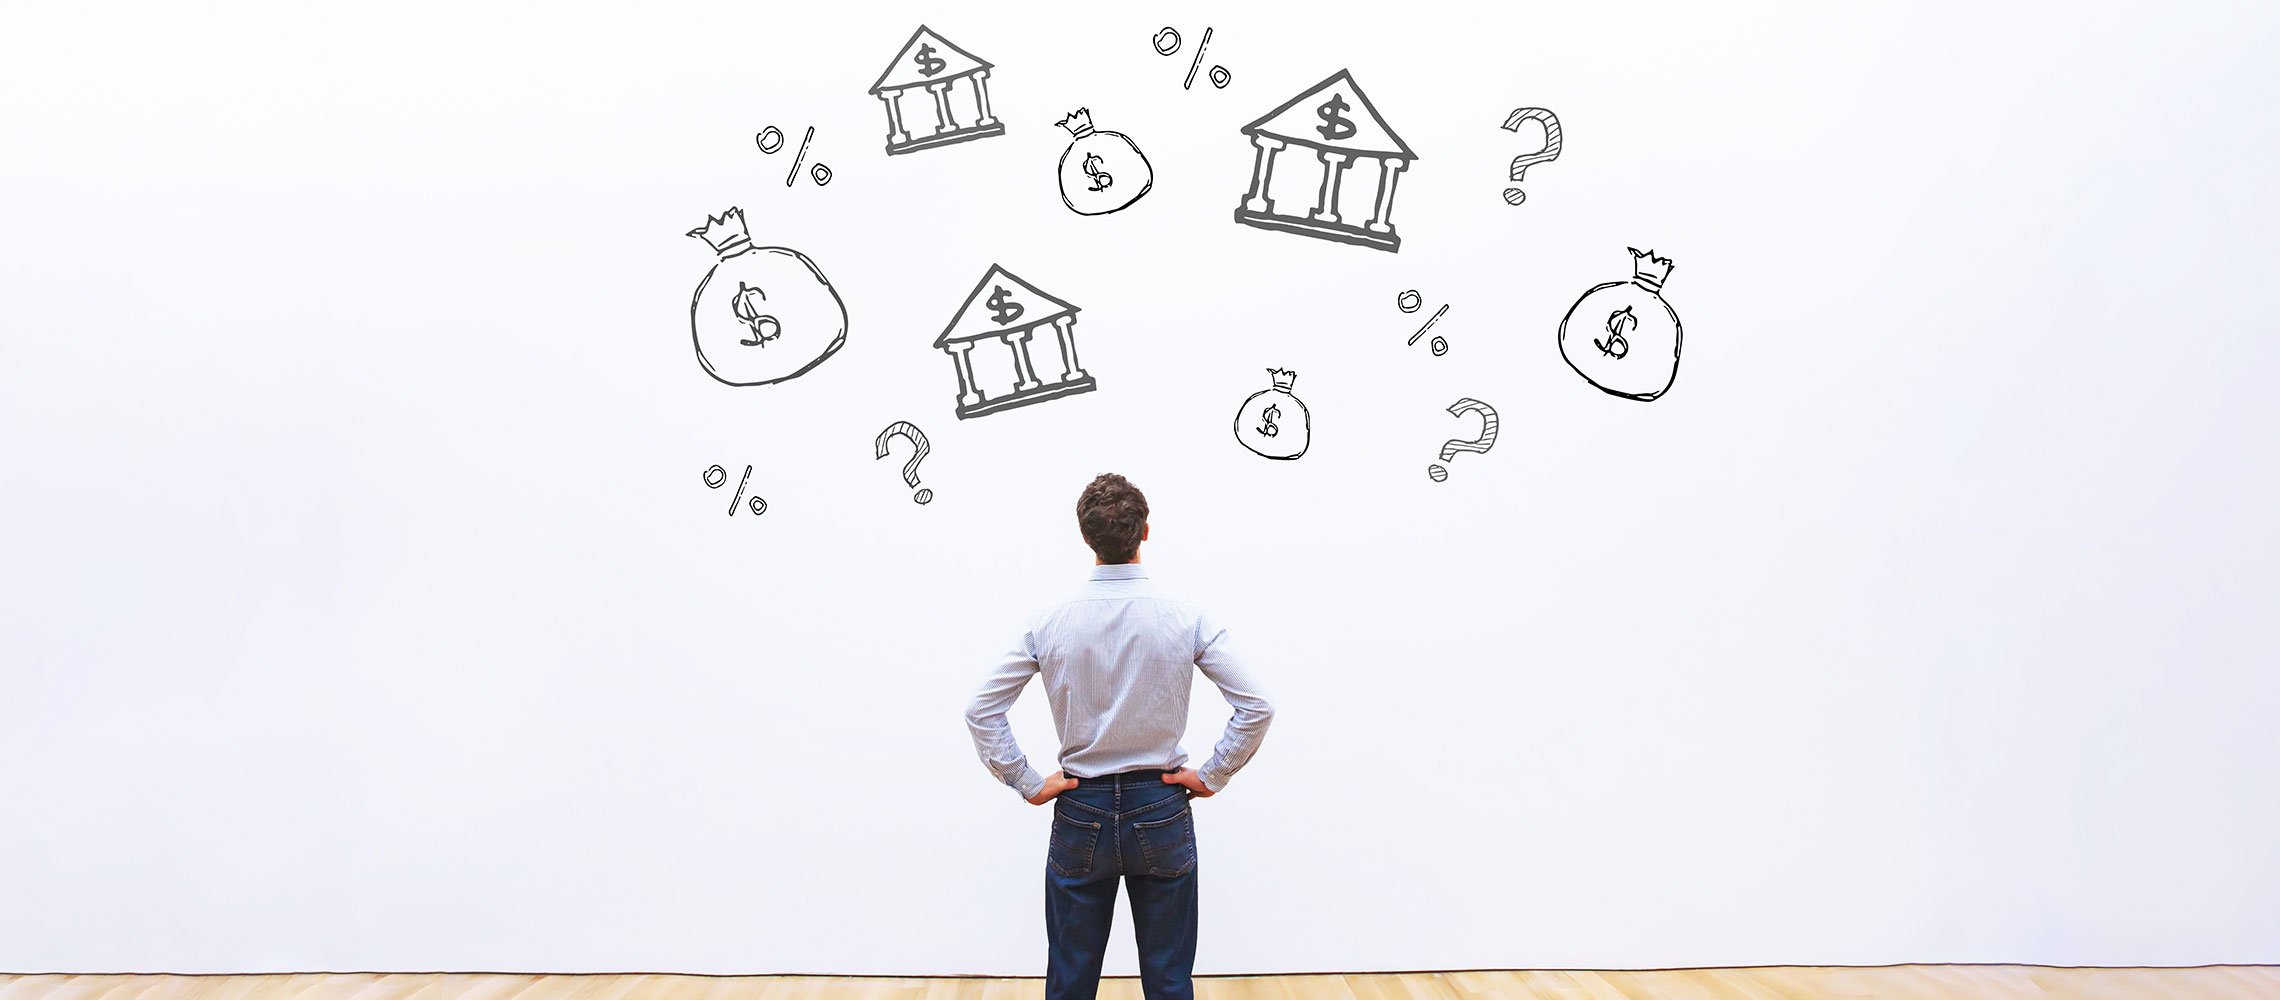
{"points": [[1410, 302], [771, 139], [716, 477], [1167, 42], [1479, 445], [905, 428]]}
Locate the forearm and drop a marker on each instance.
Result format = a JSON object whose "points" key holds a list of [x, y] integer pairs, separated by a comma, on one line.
{"points": [[1245, 731], [1001, 753]]}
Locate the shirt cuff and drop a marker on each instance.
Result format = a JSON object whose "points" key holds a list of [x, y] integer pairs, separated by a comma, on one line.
{"points": [[1211, 780], [1029, 784]]}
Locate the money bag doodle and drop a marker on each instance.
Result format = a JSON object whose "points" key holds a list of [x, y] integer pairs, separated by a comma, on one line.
{"points": [[1273, 423], [1622, 336], [1101, 172], [762, 314]]}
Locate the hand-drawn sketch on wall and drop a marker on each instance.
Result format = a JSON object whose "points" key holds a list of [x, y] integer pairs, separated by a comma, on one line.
{"points": [[822, 173], [1167, 42], [716, 477], [1410, 302], [919, 448], [1101, 172], [762, 314], [930, 63], [1273, 423], [771, 139], [1336, 121], [1008, 310], [1481, 444], [1625, 339], [1521, 163]]}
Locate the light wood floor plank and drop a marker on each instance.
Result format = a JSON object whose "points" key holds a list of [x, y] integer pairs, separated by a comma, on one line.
{"points": [[1927, 982]]}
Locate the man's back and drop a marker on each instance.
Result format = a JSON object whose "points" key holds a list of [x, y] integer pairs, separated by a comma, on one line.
{"points": [[1115, 663], [1114, 660]]}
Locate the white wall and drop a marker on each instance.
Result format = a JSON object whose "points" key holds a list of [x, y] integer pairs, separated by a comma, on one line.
{"points": [[362, 609]]}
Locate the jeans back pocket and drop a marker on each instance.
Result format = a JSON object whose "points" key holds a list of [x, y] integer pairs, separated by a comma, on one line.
{"points": [[1075, 844], [1167, 846]]}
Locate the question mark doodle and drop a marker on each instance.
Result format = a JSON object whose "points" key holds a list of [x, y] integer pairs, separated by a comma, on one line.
{"points": [[910, 469], [1550, 152], [1481, 444]]}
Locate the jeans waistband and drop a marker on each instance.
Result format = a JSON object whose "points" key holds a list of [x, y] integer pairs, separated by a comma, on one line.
{"points": [[1145, 774]]}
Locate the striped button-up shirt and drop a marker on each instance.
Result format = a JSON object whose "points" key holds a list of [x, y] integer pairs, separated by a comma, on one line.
{"points": [[1115, 660]]}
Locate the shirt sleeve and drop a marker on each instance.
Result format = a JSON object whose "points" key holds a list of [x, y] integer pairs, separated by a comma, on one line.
{"points": [[985, 718], [1216, 657]]}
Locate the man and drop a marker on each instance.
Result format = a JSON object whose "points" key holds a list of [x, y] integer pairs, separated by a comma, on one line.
{"points": [[1115, 659]]}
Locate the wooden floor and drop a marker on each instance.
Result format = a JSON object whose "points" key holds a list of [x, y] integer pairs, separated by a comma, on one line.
{"points": [[1779, 983]]}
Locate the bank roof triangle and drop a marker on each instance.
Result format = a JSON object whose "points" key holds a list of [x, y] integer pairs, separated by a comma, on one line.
{"points": [[970, 324], [960, 62], [1298, 121]]}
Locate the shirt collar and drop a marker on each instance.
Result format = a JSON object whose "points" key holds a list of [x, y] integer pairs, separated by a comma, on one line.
{"points": [[1123, 571]]}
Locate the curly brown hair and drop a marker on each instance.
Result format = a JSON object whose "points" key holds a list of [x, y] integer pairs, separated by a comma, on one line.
{"points": [[1112, 513]]}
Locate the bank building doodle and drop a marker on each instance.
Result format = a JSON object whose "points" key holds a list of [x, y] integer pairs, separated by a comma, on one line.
{"points": [[1335, 121], [1009, 311], [930, 63]]}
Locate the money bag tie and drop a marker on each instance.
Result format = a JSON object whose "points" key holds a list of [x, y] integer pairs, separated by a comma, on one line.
{"points": [[1101, 172], [1273, 423], [762, 314], [1622, 336]]}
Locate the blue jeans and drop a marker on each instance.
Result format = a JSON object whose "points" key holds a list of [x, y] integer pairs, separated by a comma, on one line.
{"points": [[1135, 826]]}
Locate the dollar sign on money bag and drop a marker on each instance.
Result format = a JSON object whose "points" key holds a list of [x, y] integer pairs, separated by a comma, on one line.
{"points": [[1101, 172], [762, 314], [1273, 423], [1622, 336]]}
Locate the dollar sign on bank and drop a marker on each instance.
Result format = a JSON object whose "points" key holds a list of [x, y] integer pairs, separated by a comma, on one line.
{"points": [[1101, 178], [1335, 125], [1268, 428], [929, 63], [1002, 307]]}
